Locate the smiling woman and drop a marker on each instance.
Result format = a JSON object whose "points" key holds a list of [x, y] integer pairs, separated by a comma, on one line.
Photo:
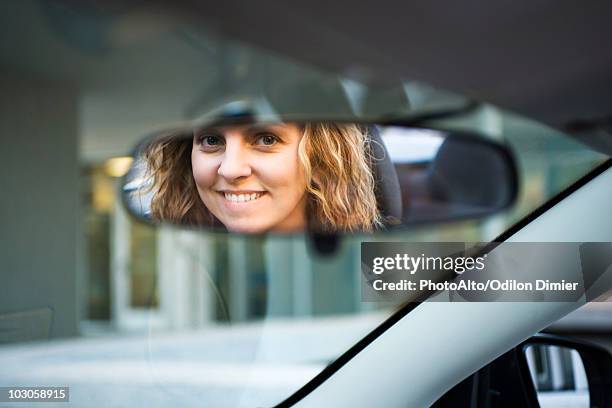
{"points": [[249, 177], [279, 177]]}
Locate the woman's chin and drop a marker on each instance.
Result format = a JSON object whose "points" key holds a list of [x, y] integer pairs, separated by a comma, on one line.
{"points": [[254, 228], [262, 222]]}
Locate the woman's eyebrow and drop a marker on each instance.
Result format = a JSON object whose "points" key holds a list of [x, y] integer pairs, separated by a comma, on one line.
{"points": [[250, 129], [211, 129], [263, 126]]}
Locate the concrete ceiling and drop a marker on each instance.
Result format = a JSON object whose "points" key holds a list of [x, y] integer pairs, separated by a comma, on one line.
{"points": [[139, 67]]}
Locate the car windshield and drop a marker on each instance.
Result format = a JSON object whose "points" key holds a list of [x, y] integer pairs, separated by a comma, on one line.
{"points": [[127, 313]]}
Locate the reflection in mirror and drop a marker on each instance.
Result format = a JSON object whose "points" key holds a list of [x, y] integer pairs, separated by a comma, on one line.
{"points": [[317, 176], [558, 375]]}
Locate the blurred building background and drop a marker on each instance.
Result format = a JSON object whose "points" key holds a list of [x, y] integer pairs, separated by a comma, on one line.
{"points": [[83, 85], [139, 275]]}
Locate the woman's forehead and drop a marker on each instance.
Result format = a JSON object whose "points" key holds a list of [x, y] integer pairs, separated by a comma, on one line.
{"points": [[254, 127]]}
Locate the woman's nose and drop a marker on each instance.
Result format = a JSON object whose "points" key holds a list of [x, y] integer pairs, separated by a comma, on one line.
{"points": [[234, 164]]}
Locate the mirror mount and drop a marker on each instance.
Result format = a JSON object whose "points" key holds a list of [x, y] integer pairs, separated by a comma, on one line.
{"points": [[324, 244]]}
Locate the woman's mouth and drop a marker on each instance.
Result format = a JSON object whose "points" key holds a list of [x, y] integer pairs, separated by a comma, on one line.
{"points": [[241, 197]]}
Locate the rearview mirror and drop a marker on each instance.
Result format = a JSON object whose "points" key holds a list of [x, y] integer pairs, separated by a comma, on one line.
{"points": [[327, 177]]}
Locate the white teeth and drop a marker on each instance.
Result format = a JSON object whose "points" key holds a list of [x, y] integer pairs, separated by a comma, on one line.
{"points": [[241, 198]]}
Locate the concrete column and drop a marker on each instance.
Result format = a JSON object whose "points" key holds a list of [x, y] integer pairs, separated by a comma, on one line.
{"points": [[40, 231], [238, 276]]}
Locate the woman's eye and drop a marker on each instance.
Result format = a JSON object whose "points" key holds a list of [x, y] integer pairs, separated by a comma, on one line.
{"points": [[210, 141], [266, 140]]}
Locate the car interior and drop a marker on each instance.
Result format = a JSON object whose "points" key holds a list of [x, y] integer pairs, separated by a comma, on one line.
{"points": [[487, 125]]}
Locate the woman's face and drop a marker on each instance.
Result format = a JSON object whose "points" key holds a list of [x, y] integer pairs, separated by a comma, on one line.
{"points": [[250, 176]]}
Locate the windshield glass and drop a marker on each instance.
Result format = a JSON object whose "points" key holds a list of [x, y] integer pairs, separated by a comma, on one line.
{"points": [[167, 316]]}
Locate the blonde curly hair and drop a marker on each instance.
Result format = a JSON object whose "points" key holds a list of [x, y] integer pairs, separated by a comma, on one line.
{"points": [[337, 162]]}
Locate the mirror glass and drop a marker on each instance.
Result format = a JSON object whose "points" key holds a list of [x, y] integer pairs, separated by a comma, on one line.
{"points": [[257, 177], [558, 375]]}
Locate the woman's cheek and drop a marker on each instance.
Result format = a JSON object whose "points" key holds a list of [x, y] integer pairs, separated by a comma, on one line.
{"points": [[203, 172], [282, 169], [294, 169]]}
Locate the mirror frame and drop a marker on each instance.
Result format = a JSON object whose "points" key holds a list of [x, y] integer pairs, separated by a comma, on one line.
{"points": [[332, 238]]}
